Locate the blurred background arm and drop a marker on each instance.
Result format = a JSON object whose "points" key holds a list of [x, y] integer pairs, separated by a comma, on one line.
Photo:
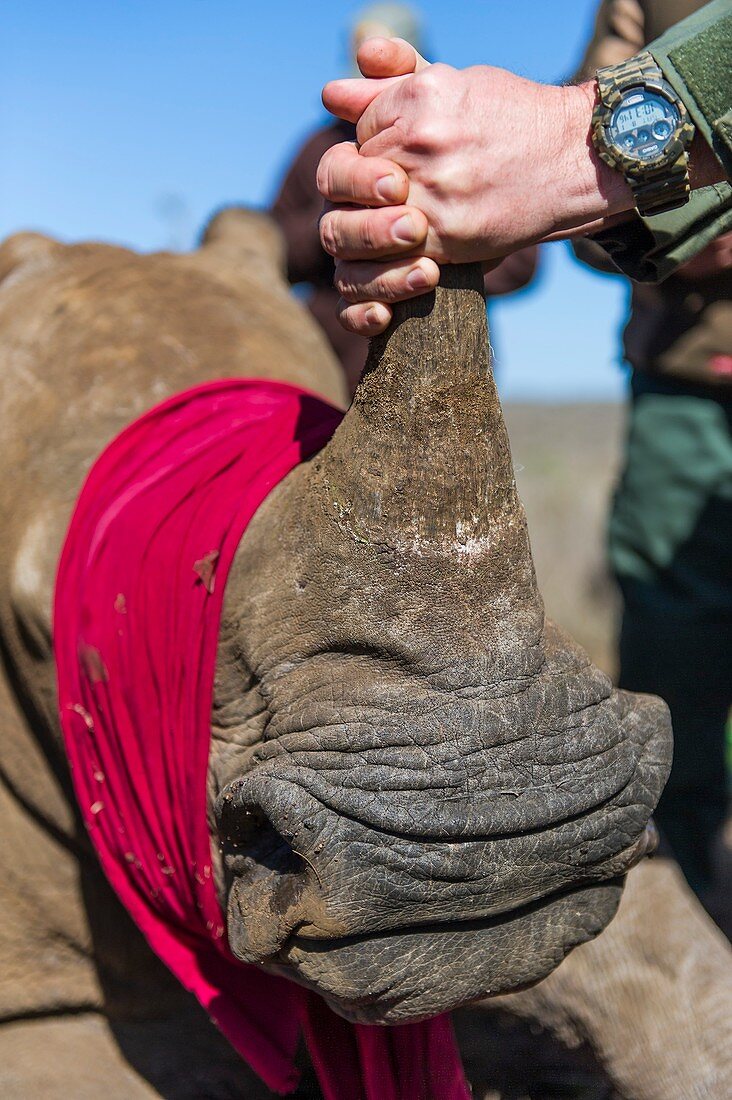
{"points": [[513, 273]]}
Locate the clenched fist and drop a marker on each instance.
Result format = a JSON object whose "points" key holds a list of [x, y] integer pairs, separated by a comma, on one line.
{"points": [[450, 166]]}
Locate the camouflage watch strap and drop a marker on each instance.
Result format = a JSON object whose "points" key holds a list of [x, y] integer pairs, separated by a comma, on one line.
{"points": [[640, 69], [663, 192], [655, 189]]}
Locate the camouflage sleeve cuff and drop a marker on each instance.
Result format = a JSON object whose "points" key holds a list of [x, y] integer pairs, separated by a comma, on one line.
{"points": [[650, 249], [694, 56]]}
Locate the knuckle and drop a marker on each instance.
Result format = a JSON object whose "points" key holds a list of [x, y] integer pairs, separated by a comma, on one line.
{"points": [[345, 283], [347, 316], [368, 232], [381, 288], [349, 233], [428, 88], [323, 177], [428, 82], [420, 135], [358, 283], [329, 234], [424, 132], [331, 168]]}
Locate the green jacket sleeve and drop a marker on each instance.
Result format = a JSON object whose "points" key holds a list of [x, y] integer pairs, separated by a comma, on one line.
{"points": [[696, 59]]}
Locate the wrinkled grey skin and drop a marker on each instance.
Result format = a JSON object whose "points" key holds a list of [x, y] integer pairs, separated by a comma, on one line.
{"points": [[426, 793], [651, 999], [429, 795]]}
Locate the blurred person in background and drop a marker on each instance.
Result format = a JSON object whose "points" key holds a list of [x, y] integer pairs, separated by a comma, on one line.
{"points": [[670, 530], [298, 205]]}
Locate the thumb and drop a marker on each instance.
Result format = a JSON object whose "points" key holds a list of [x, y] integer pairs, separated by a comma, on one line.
{"points": [[349, 99], [384, 57]]}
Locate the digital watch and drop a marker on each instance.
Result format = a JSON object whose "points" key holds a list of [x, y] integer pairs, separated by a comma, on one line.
{"points": [[641, 128]]}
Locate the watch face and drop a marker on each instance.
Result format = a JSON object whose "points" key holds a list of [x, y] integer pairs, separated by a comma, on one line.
{"points": [[643, 125]]}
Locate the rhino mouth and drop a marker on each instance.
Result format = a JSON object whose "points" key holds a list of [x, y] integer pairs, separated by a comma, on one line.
{"points": [[399, 975], [301, 940]]}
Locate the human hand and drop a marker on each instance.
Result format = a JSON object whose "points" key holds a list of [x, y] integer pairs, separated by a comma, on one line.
{"points": [[512, 273], [453, 166]]}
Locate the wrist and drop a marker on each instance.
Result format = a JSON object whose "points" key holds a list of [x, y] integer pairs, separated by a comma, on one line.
{"points": [[594, 190]]}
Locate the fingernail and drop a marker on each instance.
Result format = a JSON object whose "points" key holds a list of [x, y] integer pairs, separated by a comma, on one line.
{"points": [[387, 188], [403, 230], [372, 316], [417, 279]]}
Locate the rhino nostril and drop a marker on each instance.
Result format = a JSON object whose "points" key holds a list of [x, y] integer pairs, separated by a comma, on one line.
{"points": [[248, 833], [267, 875], [239, 825]]}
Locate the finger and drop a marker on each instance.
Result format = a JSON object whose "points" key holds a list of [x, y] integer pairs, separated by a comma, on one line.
{"points": [[627, 21], [394, 281], [345, 176], [353, 234], [385, 111], [365, 318], [384, 57], [349, 99]]}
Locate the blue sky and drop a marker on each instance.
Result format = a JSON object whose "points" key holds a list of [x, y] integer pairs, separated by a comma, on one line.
{"points": [[130, 121]]}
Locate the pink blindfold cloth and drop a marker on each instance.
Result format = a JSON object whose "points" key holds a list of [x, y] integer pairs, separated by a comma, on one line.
{"points": [[137, 609]]}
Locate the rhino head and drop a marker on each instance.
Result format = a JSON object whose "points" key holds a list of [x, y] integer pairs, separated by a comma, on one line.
{"points": [[424, 792]]}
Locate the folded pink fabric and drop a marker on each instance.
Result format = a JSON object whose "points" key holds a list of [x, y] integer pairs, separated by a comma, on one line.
{"points": [[137, 609]]}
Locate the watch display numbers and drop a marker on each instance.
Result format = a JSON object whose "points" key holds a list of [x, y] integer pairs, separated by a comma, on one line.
{"points": [[630, 118], [642, 125]]}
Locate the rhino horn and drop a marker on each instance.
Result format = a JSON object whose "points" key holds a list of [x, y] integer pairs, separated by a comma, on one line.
{"points": [[433, 468]]}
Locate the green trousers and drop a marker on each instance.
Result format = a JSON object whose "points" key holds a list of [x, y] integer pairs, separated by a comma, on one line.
{"points": [[670, 540]]}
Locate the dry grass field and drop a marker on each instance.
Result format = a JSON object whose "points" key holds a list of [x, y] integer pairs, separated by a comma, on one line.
{"points": [[566, 459]]}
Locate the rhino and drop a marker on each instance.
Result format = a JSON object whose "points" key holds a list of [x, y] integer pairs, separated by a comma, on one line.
{"points": [[421, 794]]}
